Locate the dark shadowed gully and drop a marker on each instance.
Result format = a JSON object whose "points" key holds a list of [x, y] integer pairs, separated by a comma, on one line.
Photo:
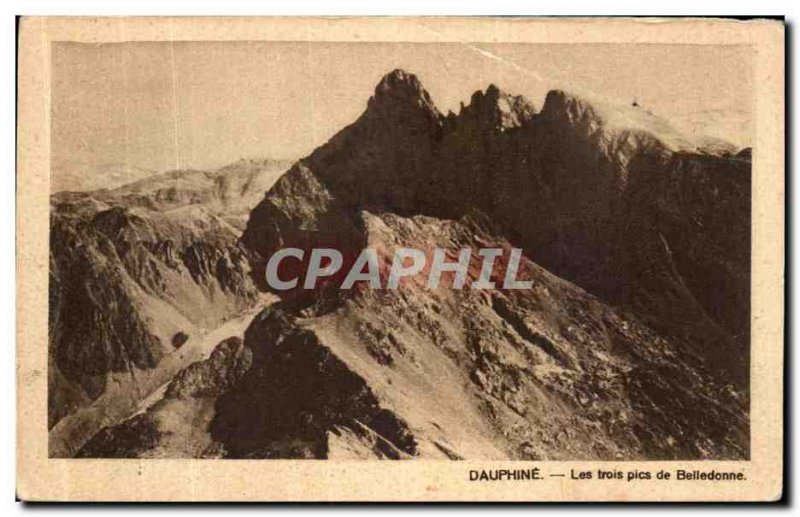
{"points": [[631, 341]]}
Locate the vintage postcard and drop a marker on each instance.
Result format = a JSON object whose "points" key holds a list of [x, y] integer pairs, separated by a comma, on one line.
{"points": [[400, 259]]}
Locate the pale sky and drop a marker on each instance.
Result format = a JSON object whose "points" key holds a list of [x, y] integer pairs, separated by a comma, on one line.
{"points": [[162, 105]]}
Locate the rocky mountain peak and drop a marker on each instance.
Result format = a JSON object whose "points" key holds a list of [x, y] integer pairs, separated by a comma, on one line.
{"points": [[399, 90], [399, 80], [497, 109], [566, 107]]}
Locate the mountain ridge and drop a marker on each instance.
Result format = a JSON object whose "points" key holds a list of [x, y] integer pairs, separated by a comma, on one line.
{"points": [[632, 343], [447, 167]]}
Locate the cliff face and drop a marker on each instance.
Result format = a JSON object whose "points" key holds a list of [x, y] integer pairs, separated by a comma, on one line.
{"points": [[632, 343]]}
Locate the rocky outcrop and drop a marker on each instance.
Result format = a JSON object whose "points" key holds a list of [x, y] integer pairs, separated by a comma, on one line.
{"points": [[388, 153], [298, 393], [229, 361]]}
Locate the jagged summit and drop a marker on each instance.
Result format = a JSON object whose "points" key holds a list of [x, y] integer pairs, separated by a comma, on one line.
{"points": [[398, 78], [559, 102], [497, 109], [401, 89], [400, 98]]}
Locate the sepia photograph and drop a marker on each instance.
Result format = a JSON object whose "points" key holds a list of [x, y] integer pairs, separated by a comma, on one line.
{"points": [[305, 246], [631, 205]]}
